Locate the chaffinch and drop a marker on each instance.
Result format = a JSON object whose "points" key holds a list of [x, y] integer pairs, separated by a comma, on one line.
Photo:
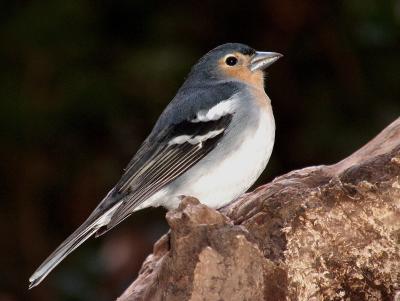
{"points": [[211, 142]]}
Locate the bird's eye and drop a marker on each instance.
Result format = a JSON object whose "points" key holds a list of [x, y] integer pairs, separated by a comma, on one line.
{"points": [[231, 61]]}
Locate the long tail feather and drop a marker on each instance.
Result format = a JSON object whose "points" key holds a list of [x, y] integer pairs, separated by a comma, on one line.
{"points": [[69, 245], [85, 231]]}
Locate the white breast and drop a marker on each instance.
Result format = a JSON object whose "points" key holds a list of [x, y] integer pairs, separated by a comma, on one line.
{"points": [[233, 175]]}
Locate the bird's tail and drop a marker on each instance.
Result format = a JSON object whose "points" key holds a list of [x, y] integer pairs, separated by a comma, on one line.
{"points": [[86, 230]]}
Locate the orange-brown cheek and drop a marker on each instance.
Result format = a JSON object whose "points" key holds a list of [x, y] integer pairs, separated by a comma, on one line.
{"points": [[258, 79], [243, 74]]}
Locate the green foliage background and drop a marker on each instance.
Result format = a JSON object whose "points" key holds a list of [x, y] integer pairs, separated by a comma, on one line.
{"points": [[82, 82]]}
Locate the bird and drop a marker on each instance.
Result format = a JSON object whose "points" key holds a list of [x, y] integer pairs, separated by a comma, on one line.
{"points": [[212, 142]]}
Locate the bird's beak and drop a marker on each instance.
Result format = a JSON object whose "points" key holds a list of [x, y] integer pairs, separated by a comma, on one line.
{"points": [[261, 60]]}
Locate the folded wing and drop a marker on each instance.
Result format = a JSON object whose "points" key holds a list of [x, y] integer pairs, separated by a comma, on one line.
{"points": [[178, 147]]}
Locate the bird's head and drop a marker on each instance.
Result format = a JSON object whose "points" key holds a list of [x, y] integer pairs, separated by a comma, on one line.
{"points": [[234, 61]]}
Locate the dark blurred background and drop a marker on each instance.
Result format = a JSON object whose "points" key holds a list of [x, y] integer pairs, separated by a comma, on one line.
{"points": [[82, 83]]}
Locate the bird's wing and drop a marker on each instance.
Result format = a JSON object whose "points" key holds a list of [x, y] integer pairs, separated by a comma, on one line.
{"points": [[174, 150]]}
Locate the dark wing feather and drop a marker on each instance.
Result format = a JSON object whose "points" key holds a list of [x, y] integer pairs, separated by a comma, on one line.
{"points": [[158, 164]]}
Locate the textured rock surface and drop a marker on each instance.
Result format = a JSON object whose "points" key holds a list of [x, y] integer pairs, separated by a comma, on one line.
{"points": [[320, 233]]}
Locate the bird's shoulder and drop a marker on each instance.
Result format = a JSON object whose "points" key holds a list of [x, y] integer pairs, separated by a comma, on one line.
{"points": [[190, 100]]}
